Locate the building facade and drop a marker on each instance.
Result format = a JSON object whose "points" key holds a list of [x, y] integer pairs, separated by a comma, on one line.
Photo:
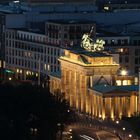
{"points": [[67, 33], [128, 49], [90, 83], [27, 53], [60, 1]]}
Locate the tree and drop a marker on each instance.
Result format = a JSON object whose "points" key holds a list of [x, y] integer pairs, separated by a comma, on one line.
{"points": [[30, 112]]}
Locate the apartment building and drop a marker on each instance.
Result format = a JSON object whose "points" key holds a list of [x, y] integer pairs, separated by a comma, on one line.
{"points": [[128, 49], [30, 52], [27, 53], [60, 1], [68, 33]]}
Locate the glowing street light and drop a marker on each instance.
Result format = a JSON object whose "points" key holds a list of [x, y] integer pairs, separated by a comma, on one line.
{"points": [[123, 128], [123, 72], [123, 132], [10, 78], [117, 122], [130, 135]]}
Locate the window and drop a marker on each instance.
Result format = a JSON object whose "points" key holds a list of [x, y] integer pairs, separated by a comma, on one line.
{"points": [[112, 42], [48, 50], [51, 51], [106, 42], [126, 59], [136, 60], [119, 42], [120, 59], [72, 28], [135, 42], [136, 69], [118, 82], [48, 59], [65, 36], [51, 59], [0, 64], [125, 82]]}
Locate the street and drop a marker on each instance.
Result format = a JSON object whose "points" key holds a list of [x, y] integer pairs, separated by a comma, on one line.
{"points": [[87, 128], [90, 133]]}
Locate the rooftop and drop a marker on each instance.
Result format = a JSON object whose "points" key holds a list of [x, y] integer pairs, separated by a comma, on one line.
{"points": [[103, 88], [71, 21], [56, 75], [82, 51]]}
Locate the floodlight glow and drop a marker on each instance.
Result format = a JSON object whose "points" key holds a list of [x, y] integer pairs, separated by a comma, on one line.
{"points": [[123, 72]]}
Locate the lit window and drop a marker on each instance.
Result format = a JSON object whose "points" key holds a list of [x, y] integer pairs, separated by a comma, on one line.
{"points": [[125, 82], [36, 74], [121, 50], [20, 71], [48, 67], [118, 82], [27, 73], [45, 67], [136, 80], [3, 64], [17, 70], [106, 8]]}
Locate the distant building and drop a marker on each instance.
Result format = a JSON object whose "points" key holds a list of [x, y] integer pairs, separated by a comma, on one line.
{"points": [[8, 20], [128, 49], [60, 1], [68, 33], [27, 53], [122, 6]]}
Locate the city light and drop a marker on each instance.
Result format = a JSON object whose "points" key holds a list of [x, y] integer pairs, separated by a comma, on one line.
{"points": [[123, 72], [10, 78], [123, 128], [130, 135], [117, 122], [16, 1]]}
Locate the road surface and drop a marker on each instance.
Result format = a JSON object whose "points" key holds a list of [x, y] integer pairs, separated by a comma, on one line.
{"points": [[89, 133]]}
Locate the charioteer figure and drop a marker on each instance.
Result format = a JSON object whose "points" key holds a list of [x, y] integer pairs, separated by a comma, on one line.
{"points": [[89, 44]]}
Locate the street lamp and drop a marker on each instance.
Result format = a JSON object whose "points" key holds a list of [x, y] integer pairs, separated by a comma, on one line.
{"points": [[10, 78], [123, 128], [117, 122], [123, 72], [123, 132], [130, 135]]}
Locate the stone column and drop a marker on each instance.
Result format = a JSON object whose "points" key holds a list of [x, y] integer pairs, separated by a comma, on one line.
{"points": [[83, 95], [100, 106], [119, 108], [94, 105], [128, 107], [103, 109], [112, 108], [86, 94], [132, 104]]}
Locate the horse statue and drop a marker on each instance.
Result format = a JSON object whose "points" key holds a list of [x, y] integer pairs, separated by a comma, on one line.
{"points": [[89, 44]]}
